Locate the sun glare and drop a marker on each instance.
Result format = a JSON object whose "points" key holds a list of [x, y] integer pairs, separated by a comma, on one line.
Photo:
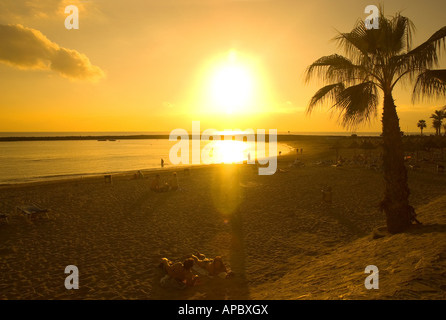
{"points": [[232, 85], [231, 151], [226, 151]]}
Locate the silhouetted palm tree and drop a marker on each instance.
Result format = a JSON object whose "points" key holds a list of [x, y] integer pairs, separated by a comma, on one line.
{"points": [[376, 60], [421, 124], [436, 124], [437, 121]]}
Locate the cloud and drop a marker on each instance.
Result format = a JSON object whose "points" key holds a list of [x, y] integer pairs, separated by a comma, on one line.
{"points": [[28, 49]]}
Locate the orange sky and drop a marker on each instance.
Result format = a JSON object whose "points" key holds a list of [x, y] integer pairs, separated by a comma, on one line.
{"points": [[150, 65]]}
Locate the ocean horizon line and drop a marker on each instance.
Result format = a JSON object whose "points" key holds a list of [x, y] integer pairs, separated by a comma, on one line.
{"points": [[112, 135]]}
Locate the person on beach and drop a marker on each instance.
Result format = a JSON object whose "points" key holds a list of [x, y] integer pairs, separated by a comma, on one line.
{"points": [[413, 215], [162, 163], [156, 185], [174, 182], [181, 272], [213, 266]]}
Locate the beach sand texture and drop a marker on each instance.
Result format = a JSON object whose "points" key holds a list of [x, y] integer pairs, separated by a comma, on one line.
{"points": [[273, 232]]}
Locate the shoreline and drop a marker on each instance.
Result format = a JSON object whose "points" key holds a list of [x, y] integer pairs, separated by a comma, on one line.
{"points": [[84, 176], [126, 174], [121, 175]]}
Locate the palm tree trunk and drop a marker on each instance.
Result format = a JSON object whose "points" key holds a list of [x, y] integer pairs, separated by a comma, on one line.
{"points": [[396, 196]]}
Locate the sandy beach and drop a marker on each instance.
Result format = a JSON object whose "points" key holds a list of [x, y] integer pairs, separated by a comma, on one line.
{"points": [[274, 232]]}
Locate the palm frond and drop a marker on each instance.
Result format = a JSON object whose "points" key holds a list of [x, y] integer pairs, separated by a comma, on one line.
{"points": [[355, 43], [425, 56], [391, 38], [399, 35], [357, 104], [334, 68], [436, 123], [431, 83], [438, 115], [329, 92]]}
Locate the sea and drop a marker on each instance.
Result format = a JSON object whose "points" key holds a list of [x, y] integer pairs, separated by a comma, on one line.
{"points": [[29, 161]]}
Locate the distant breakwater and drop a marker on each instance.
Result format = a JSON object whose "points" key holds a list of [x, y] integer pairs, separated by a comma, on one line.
{"points": [[99, 138], [280, 137]]}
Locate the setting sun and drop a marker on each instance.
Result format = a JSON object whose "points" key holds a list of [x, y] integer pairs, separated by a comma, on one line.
{"points": [[232, 85]]}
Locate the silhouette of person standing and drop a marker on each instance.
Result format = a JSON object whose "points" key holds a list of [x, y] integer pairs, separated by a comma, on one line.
{"points": [[162, 163]]}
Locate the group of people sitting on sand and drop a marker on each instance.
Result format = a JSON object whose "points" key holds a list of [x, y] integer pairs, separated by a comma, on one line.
{"points": [[297, 163], [158, 186], [182, 272]]}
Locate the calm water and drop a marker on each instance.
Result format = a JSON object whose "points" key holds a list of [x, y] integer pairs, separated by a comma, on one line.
{"points": [[41, 160]]}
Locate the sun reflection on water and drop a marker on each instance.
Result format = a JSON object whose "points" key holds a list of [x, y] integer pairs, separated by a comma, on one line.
{"points": [[227, 151]]}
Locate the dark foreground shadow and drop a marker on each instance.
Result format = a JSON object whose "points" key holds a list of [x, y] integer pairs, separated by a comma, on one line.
{"points": [[427, 228], [343, 219]]}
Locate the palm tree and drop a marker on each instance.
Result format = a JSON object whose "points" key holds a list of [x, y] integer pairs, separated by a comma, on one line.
{"points": [[376, 60], [437, 121], [444, 116], [436, 124], [421, 124]]}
